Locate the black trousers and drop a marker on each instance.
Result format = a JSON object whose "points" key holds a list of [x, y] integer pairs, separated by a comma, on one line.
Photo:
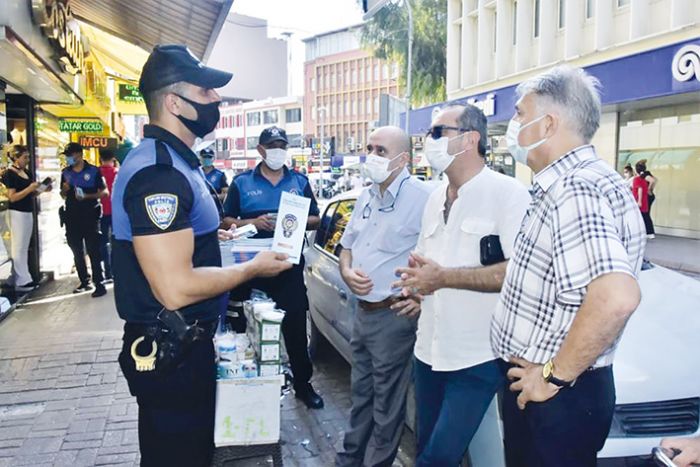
{"points": [[289, 292], [83, 234], [648, 223], [567, 430], [176, 411]]}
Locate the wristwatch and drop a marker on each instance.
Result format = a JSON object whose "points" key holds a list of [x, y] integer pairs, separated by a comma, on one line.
{"points": [[548, 375]]}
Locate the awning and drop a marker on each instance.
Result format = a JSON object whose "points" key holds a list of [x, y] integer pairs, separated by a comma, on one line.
{"points": [[146, 23]]}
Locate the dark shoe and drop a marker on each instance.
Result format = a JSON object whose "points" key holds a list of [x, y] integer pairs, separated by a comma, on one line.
{"points": [[309, 397], [28, 287], [99, 291], [109, 280], [82, 288]]}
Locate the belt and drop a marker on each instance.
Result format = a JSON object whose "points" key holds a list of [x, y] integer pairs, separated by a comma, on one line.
{"points": [[374, 306], [206, 328]]}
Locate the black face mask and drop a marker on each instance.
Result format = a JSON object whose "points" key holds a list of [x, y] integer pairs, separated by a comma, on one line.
{"points": [[207, 117]]}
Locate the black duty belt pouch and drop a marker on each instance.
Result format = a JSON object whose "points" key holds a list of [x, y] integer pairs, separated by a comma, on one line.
{"points": [[491, 251], [175, 338]]}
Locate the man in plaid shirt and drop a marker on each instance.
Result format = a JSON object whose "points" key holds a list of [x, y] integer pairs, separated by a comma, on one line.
{"points": [[571, 284]]}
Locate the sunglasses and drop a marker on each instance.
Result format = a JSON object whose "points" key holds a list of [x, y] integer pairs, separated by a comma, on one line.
{"points": [[436, 131]]}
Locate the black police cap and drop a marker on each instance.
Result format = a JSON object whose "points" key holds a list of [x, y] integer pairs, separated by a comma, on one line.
{"points": [[206, 152], [169, 64], [73, 148], [272, 134]]}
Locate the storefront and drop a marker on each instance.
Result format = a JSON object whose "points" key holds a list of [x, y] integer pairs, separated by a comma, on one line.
{"points": [[651, 110]]}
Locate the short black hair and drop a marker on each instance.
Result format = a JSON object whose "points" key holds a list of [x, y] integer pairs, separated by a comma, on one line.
{"points": [[473, 118], [106, 154], [73, 148]]}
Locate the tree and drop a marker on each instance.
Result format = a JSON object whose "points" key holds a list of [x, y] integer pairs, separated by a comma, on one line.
{"points": [[386, 36]]}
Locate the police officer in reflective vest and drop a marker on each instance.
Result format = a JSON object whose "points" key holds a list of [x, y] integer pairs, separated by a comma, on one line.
{"points": [[168, 280], [254, 198], [215, 177]]}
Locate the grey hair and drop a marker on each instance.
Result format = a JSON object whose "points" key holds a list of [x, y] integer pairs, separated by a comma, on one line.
{"points": [[474, 119], [154, 99], [575, 93]]}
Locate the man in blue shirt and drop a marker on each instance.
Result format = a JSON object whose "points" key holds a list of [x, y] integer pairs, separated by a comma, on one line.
{"points": [[166, 257], [82, 186], [254, 198], [214, 176]]}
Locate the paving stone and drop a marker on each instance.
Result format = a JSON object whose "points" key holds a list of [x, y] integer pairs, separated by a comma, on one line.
{"points": [[86, 457], [68, 445]]}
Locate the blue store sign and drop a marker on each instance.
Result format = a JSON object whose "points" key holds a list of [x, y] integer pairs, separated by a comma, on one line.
{"points": [[666, 71]]}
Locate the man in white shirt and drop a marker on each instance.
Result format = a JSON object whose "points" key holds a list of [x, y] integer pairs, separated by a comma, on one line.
{"points": [[382, 232], [468, 231]]}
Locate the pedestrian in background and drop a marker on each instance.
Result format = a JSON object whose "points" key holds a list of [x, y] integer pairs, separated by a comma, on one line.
{"points": [[21, 193], [628, 175], [640, 189], [82, 188], [651, 180], [571, 284], [382, 231], [468, 230], [214, 176], [254, 198], [109, 171]]}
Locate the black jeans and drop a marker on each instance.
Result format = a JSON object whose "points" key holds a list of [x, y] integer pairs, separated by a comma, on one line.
{"points": [[567, 430], [176, 410], [85, 232]]}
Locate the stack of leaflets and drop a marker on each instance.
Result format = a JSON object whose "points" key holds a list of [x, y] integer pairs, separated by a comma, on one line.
{"points": [[245, 249]]}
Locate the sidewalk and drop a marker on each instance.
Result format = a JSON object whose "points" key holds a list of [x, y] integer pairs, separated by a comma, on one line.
{"points": [[682, 254], [64, 401]]}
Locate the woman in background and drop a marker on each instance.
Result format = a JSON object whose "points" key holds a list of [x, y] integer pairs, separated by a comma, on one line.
{"points": [[21, 193], [640, 189]]}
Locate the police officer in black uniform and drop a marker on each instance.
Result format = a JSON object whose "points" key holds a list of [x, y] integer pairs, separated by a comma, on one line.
{"points": [[254, 198], [168, 280], [82, 186], [214, 176]]}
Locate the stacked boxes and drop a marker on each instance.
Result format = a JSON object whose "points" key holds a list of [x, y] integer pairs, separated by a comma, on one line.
{"points": [[265, 332]]}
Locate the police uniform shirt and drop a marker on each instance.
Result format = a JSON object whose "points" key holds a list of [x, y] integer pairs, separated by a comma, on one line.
{"points": [[90, 180], [161, 188], [217, 179], [251, 195]]}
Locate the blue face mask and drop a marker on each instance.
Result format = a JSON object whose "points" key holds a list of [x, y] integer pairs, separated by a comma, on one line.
{"points": [[207, 162], [70, 160]]}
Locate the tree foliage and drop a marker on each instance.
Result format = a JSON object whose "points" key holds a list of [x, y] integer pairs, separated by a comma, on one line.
{"points": [[386, 35]]}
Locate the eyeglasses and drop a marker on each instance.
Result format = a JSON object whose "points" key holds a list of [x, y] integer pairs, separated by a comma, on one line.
{"points": [[436, 131], [367, 210]]}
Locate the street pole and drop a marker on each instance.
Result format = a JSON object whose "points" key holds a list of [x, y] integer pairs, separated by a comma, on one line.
{"points": [[409, 66], [319, 111]]}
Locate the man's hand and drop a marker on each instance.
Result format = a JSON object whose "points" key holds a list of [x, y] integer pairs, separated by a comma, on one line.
{"points": [[264, 222], [269, 264], [689, 450], [422, 276], [226, 235], [409, 306], [527, 379], [358, 281]]}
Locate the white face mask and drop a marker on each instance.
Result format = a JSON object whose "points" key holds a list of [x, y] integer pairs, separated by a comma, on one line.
{"points": [[436, 152], [376, 168], [518, 152], [276, 158]]}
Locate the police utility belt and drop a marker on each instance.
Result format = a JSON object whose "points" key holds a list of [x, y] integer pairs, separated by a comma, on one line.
{"points": [[170, 341]]}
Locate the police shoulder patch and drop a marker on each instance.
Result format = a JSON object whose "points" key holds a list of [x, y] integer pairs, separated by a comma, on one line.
{"points": [[161, 209]]}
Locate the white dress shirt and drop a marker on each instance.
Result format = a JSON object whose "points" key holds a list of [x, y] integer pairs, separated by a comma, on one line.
{"points": [[453, 328], [383, 231]]}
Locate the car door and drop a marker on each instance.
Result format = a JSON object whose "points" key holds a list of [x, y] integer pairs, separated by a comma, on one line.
{"points": [[329, 297]]}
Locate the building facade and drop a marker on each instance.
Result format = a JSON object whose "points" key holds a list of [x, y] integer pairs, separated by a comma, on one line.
{"points": [[342, 88], [240, 126], [645, 54]]}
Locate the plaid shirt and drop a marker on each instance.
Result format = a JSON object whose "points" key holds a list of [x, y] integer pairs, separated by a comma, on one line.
{"points": [[582, 223]]}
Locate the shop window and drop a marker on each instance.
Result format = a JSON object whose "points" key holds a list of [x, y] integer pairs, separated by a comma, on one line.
{"points": [[253, 118], [292, 115], [240, 144], [294, 141], [270, 117]]}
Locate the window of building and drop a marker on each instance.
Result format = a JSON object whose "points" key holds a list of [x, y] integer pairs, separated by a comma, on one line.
{"points": [[537, 18], [621, 3], [313, 113], [590, 8], [240, 144], [368, 106], [252, 142], [376, 105], [253, 118], [354, 76], [495, 31], [395, 70], [313, 84], [347, 78], [270, 117], [368, 74], [292, 115], [562, 13], [515, 21], [385, 71], [376, 72], [354, 107], [239, 120], [230, 121], [345, 108]]}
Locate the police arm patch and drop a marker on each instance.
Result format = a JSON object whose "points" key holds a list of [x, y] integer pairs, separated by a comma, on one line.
{"points": [[161, 209]]}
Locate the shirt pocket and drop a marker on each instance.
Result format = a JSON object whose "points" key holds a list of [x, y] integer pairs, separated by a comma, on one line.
{"points": [[469, 235], [396, 239]]}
